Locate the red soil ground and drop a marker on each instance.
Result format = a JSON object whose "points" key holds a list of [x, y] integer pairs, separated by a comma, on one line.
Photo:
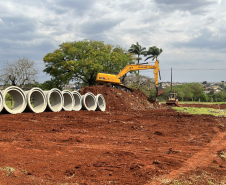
{"points": [[132, 142]]}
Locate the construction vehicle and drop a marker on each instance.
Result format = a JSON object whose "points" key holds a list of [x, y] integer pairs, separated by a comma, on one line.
{"points": [[114, 80], [173, 96], [172, 99]]}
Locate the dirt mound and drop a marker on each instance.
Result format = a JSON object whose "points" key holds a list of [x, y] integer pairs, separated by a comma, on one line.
{"points": [[117, 99], [137, 147]]}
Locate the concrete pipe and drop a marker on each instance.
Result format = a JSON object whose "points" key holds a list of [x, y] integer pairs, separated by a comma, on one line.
{"points": [[36, 100], [68, 100], [1, 101], [19, 97], [55, 100], [78, 100], [101, 104], [89, 101]]}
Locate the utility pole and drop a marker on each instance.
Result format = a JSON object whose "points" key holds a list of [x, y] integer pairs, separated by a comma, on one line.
{"points": [[171, 81]]}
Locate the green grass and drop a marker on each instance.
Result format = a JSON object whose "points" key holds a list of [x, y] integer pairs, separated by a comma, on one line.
{"points": [[200, 111], [198, 180], [199, 177], [196, 102], [8, 104], [9, 170]]}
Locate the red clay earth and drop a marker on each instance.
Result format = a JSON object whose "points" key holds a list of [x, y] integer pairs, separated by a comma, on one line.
{"points": [[132, 142]]}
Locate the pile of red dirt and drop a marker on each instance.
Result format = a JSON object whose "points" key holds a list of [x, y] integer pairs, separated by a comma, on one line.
{"points": [[137, 147], [117, 99]]}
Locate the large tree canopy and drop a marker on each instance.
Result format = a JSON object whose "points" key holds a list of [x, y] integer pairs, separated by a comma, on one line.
{"points": [[19, 72], [138, 50], [187, 92], [154, 52], [82, 60]]}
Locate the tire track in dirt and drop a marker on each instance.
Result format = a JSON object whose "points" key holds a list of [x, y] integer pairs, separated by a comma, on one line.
{"points": [[200, 159]]}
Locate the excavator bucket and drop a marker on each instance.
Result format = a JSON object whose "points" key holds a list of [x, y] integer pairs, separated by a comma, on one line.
{"points": [[159, 91]]}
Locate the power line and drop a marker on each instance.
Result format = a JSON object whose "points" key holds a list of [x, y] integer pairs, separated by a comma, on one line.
{"points": [[187, 70], [192, 69]]}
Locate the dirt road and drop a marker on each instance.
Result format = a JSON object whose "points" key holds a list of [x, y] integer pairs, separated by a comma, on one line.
{"points": [[148, 146]]}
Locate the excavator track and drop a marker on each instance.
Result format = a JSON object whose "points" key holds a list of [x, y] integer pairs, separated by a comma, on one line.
{"points": [[122, 87]]}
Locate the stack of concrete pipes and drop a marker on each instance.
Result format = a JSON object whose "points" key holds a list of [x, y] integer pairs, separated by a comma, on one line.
{"points": [[54, 100]]}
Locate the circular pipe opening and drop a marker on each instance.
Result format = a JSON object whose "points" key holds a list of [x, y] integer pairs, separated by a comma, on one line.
{"points": [[89, 102], [101, 104], [78, 100], [36, 101], [54, 100], [14, 100], [68, 100], [1, 101]]}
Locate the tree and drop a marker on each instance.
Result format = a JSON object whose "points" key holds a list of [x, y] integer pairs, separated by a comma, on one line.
{"points": [[19, 72], [222, 85], [82, 60], [143, 83], [154, 52], [138, 50], [186, 92]]}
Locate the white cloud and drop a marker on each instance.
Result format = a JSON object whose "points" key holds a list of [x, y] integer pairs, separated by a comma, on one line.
{"points": [[191, 33], [193, 6]]}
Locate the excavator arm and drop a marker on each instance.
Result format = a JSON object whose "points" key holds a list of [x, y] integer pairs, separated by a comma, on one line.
{"points": [[137, 67]]}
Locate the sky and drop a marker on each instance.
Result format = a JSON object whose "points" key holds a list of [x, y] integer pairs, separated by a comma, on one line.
{"points": [[191, 33]]}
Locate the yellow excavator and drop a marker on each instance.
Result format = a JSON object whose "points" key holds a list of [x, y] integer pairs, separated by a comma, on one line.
{"points": [[114, 79]]}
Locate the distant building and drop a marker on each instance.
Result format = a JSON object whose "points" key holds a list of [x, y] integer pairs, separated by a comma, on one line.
{"points": [[69, 86]]}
